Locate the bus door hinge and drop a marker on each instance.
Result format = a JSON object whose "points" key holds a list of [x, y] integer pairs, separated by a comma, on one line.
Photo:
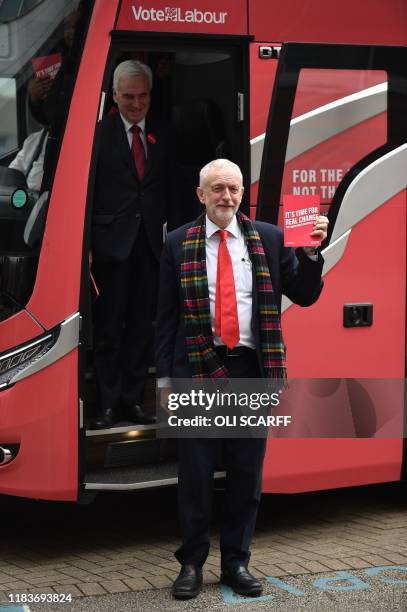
{"points": [[80, 413], [240, 106], [268, 52], [101, 105]]}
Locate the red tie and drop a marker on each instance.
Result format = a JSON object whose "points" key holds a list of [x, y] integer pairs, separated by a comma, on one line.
{"points": [[226, 319], [139, 154]]}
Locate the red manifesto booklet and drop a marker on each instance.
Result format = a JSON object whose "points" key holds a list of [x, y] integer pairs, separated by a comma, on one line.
{"points": [[300, 213], [47, 65]]}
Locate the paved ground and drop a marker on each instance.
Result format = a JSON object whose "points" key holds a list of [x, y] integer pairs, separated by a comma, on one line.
{"points": [[301, 593], [123, 544]]}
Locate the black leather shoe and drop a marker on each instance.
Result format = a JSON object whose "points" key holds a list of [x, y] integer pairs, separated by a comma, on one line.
{"points": [[104, 420], [189, 582], [241, 581], [137, 415]]}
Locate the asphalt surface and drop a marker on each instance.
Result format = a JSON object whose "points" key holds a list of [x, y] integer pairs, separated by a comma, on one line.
{"points": [[363, 594]]}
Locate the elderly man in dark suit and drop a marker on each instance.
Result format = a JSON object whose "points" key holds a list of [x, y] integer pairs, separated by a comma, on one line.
{"points": [[129, 210], [221, 282]]}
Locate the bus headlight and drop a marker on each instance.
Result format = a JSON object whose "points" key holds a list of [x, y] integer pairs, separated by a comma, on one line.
{"points": [[12, 362]]}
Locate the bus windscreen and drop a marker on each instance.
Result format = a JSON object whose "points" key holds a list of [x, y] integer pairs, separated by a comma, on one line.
{"points": [[39, 58]]}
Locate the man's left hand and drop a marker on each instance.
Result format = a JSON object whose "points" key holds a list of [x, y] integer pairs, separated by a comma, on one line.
{"points": [[320, 230]]}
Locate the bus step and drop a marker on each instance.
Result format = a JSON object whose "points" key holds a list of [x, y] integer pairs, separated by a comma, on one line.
{"points": [[120, 428], [134, 477], [124, 445], [138, 452]]}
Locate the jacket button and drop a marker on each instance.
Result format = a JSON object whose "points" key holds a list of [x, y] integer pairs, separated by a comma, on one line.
{"points": [[141, 193], [138, 215]]}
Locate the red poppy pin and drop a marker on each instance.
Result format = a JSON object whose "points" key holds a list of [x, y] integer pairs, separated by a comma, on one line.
{"points": [[151, 138]]}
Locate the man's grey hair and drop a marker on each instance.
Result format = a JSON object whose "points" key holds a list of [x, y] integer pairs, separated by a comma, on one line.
{"points": [[218, 164], [132, 68]]}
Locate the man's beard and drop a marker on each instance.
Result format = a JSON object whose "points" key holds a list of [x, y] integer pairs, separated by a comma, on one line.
{"points": [[225, 216]]}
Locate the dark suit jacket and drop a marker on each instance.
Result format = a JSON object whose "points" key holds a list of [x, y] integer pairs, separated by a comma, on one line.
{"points": [[121, 200], [292, 274]]}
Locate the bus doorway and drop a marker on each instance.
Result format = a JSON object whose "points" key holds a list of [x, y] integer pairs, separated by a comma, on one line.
{"points": [[199, 89]]}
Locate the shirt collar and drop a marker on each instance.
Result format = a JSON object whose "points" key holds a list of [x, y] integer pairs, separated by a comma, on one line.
{"points": [[128, 125], [232, 228]]}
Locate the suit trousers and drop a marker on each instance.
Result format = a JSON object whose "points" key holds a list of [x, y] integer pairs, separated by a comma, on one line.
{"points": [[243, 461], [123, 324]]}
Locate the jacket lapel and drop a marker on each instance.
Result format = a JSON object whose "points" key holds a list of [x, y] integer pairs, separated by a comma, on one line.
{"points": [[151, 140]]}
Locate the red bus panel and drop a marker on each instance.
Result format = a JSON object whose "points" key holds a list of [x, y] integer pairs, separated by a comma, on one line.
{"points": [[18, 329], [350, 431], [199, 16], [375, 22], [40, 413]]}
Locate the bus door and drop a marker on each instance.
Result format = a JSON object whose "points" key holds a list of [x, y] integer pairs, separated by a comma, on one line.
{"points": [[337, 129], [199, 87]]}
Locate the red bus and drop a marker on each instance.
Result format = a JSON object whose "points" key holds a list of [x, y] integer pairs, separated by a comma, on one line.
{"points": [[307, 99]]}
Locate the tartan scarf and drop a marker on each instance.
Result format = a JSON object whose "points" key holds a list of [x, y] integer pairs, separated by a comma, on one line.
{"points": [[194, 284]]}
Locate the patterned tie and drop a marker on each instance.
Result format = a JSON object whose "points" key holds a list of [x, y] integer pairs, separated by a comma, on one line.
{"points": [[139, 154], [226, 319]]}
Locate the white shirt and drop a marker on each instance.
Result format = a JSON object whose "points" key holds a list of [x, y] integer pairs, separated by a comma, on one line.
{"points": [[242, 272], [129, 133], [24, 158]]}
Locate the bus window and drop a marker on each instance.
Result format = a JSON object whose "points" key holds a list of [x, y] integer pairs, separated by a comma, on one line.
{"points": [[40, 53], [8, 110], [10, 9], [338, 118]]}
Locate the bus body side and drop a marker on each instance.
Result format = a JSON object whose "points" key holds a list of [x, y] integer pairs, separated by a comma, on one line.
{"points": [[346, 365], [41, 414]]}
